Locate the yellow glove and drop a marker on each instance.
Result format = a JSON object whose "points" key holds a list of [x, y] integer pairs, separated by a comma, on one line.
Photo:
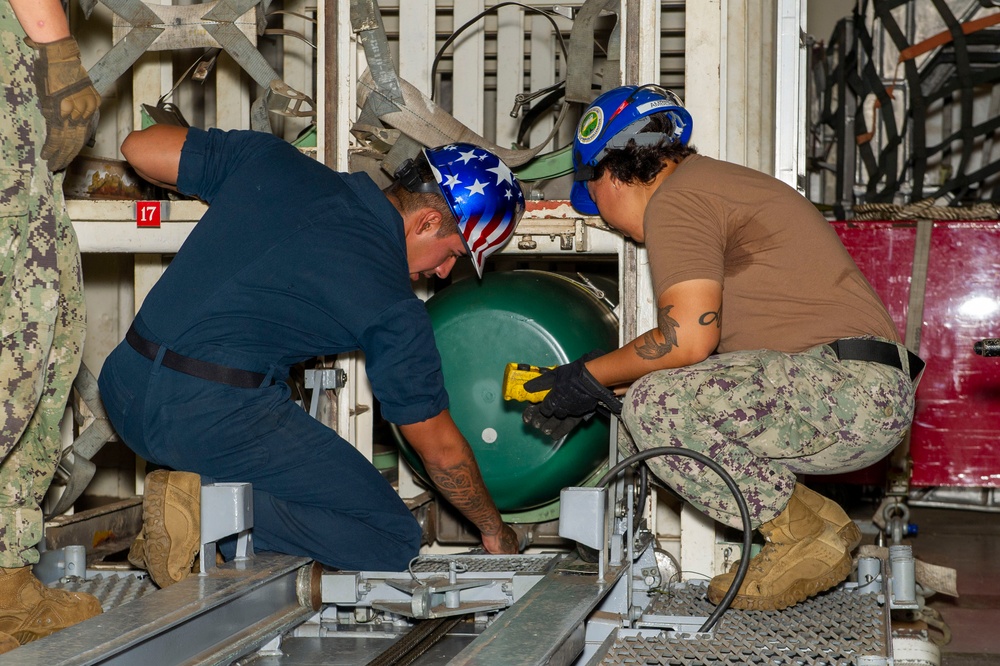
{"points": [[68, 98]]}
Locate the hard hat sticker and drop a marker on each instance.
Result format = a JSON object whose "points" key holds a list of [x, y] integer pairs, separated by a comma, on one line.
{"points": [[590, 125], [655, 104]]}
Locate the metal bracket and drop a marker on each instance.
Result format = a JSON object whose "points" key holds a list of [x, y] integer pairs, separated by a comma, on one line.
{"points": [[582, 518], [226, 24], [440, 585], [226, 509], [439, 597], [68, 561], [323, 379]]}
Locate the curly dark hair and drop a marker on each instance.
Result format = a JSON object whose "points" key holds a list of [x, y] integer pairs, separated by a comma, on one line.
{"points": [[640, 164]]}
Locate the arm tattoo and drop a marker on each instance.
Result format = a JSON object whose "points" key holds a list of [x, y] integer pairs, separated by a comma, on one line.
{"points": [[462, 485], [648, 348], [710, 318]]}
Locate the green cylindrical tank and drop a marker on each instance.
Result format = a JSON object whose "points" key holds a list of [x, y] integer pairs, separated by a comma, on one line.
{"points": [[531, 317]]}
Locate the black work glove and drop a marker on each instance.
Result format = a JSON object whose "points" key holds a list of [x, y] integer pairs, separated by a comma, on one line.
{"points": [[68, 98], [574, 395]]}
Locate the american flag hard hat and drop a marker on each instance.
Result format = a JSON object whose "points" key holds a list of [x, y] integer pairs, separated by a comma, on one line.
{"points": [[482, 193]]}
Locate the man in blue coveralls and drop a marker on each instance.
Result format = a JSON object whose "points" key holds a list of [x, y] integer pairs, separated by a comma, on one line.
{"points": [[291, 261]]}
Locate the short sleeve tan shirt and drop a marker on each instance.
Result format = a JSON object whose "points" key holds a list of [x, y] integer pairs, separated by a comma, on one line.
{"points": [[788, 282]]}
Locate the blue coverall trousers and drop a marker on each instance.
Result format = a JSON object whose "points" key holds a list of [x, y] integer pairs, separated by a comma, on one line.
{"points": [[314, 495]]}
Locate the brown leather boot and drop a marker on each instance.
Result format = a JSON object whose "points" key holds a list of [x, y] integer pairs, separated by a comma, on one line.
{"points": [[29, 610], [8, 643], [137, 551], [831, 512], [803, 555], [171, 526]]}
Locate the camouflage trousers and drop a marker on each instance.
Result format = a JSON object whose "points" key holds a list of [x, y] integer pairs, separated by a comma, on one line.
{"points": [[766, 416], [42, 314]]}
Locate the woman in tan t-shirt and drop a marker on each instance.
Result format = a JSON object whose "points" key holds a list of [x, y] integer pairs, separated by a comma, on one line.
{"points": [[772, 355]]}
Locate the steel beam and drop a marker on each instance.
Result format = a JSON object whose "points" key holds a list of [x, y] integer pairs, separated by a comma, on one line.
{"points": [[547, 625], [209, 619]]}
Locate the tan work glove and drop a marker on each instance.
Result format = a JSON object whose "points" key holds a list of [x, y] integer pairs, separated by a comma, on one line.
{"points": [[69, 100]]}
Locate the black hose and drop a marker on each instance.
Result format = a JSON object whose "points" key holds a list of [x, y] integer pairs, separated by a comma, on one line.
{"points": [[741, 571], [643, 493], [489, 10]]}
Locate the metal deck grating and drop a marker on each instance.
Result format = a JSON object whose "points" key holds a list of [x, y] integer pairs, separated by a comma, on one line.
{"points": [[485, 563], [111, 590], [831, 629]]}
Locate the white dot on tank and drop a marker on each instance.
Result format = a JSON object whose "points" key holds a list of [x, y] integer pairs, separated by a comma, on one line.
{"points": [[489, 435]]}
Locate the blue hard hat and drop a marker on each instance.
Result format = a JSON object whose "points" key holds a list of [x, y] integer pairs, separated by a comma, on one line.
{"points": [[614, 119], [483, 194]]}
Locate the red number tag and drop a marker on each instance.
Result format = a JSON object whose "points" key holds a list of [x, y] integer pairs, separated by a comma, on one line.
{"points": [[147, 214]]}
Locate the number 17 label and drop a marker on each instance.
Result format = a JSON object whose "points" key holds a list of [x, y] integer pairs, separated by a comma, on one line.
{"points": [[147, 214]]}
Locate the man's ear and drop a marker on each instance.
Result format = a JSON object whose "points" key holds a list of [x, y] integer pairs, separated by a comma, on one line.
{"points": [[428, 221]]}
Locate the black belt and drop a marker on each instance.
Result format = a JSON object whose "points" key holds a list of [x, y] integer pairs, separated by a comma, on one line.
{"points": [[213, 372], [886, 353]]}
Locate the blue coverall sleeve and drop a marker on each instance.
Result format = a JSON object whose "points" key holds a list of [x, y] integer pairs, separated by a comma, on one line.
{"points": [[403, 363], [210, 157]]}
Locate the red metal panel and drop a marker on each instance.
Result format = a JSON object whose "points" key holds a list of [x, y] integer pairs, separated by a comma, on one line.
{"points": [[954, 439]]}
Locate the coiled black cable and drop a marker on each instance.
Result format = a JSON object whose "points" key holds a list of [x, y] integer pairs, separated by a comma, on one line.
{"points": [[741, 571], [490, 10]]}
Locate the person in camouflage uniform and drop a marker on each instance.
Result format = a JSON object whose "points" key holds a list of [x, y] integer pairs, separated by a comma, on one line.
{"points": [[46, 109], [803, 375]]}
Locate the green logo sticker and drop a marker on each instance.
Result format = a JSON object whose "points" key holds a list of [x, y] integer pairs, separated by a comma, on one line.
{"points": [[590, 125]]}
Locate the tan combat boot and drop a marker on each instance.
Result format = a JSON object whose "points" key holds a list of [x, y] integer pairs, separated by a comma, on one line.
{"points": [[29, 610], [137, 551], [803, 555], [171, 526], [8, 643], [831, 512]]}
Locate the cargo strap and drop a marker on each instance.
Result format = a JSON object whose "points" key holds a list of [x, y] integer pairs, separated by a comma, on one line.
{"points": [[918, 284], [424, 121], [226, 24], [76, 463], [876, 351], [366, 21], [194, 367], [900, 461], [390, 101], [580, 64]]}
